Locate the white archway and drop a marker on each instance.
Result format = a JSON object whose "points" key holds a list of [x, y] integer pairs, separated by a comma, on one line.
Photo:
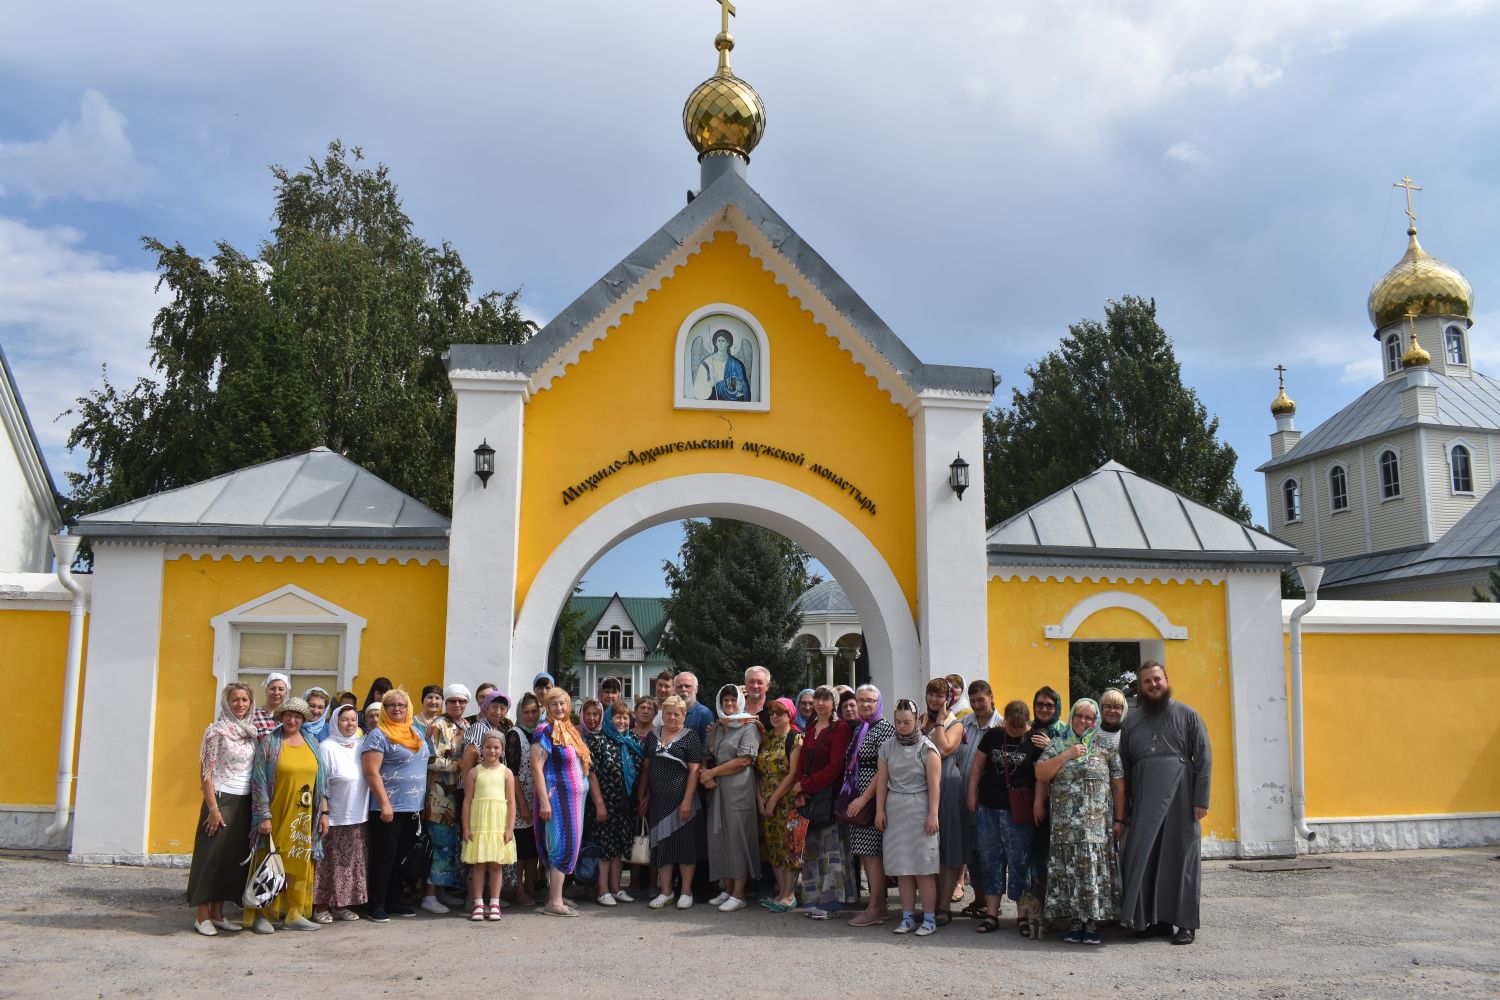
{"points": [[891, 632], [1081, 612]]}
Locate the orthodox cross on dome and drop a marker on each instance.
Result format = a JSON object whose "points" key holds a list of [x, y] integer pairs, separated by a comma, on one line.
{"points": [[1280, 371], [724, 41], [1411, 215], [727, 11]]}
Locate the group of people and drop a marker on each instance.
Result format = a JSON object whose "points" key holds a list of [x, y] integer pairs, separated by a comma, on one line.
{"points": [[1088, 818]]}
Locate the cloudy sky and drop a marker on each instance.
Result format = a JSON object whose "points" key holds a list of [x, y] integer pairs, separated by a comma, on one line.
{"points": [[984, 173]]}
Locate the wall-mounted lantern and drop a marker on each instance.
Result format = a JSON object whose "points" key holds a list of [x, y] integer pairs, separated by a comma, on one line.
{"points": [[958, 476], [484, 463]]}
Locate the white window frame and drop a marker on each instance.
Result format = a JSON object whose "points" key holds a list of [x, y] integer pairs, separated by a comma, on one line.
{"points": [[1288, 514], [1395, 453], [1391, 348], [1454, 336], [1333, 495], [1448, 450], [231, 624]]}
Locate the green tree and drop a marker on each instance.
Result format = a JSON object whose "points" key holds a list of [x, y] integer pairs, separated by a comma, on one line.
{"points": [[1094, 666], [1110, 390], [732, 603], [333, 335]]}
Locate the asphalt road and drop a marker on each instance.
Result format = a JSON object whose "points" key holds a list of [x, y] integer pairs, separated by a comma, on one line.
{"points": [[1418, 924]]}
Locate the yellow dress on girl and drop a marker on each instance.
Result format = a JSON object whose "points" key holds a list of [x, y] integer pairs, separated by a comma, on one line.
{"points": [[488, 813]]}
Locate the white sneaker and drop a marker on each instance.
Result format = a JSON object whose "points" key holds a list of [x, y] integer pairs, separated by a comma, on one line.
{"points": [[345, 914], [206, 928], [262, 925], [607, 900], [661, 900], [719, 900], [301, 924], [228, 925], [685, 901], [624, 897], [731, 904], [431, 905]]}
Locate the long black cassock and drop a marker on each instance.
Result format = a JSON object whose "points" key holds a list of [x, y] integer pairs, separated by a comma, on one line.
{"points": [[1167, 764]]}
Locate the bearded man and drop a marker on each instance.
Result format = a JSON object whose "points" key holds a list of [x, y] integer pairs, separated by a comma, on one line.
{"points": [[1164, 751]]}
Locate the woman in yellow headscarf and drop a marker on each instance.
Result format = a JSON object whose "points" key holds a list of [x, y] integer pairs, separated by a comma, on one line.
{"points": [[394, 758]]}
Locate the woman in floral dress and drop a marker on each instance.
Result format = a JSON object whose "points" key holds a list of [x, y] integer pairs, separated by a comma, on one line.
{"points": [[775, 773], [1087, 789]]}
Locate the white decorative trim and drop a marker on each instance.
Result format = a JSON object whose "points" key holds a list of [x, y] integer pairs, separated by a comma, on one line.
{"points": [[1448, 446], [1081, 612], [1089, 574], [1342, 617], [349, 626], [872, 587], [761, 377], [1287, 518], [12, 416], [479, 380], [960, 399], [1343, 466], [299, 553], [1403, 833]]}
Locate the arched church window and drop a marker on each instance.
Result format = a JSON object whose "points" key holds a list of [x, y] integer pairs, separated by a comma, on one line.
{"points": [[1462, 469], [1291, 497], [1453, 342], [1392, 353], [1390, 475], [1338, 489]]}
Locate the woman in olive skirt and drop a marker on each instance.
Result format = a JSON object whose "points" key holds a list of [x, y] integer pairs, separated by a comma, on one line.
{"points": [[224, 760]]}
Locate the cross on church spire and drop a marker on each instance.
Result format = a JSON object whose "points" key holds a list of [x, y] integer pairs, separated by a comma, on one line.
{"points": [[1280, 377], [724, 41], [727, 11], [1411, 215]]}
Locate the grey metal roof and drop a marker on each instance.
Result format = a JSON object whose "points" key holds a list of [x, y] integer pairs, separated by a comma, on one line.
{"points": [[315, 495], [728, 189], [50, 485], [1115, 514], [1471, 544], [825, 598], [1462, 402]]}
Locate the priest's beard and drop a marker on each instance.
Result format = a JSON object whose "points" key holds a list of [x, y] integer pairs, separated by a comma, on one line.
{"points": [[1157, 703]]}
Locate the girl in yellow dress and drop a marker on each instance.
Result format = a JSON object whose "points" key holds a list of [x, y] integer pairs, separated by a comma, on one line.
{"points": [[289, 801], [489, 824]]}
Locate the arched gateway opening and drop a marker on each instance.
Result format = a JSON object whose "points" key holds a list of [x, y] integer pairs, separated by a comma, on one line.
{"points": [[890, 630]]}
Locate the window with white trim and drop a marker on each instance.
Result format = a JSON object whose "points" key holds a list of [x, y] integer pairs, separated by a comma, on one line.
{"points": [[1461, 469], [1392, 353], [291, 631], [1338, 489], [1453, 343], [1291, 501], [1390, 475]]}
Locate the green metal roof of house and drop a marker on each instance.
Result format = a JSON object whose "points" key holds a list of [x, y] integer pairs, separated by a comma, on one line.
{"points": [[648, 613]]}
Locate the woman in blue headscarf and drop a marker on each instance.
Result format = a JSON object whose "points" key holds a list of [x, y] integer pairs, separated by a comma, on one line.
{"points": [[805, 714], [1087, 792], [608, 828], [318, 700]]}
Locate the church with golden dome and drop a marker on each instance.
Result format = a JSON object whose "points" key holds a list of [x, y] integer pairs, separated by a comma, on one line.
{"points": [[1394, 493]]}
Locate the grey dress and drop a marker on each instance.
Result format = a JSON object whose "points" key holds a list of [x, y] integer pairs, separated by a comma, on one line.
{"points": [[954, 844], [733, 819], [908, 849]]}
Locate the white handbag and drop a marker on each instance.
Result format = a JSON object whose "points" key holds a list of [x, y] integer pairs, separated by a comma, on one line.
{"points": [[640, 847], [267, 879]]}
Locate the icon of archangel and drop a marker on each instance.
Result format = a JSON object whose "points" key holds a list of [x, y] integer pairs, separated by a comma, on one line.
{"points": [[721, 356]]}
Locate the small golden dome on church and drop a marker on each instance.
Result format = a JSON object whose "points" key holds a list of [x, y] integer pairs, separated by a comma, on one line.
{"points": [[1282, 404], [724, 114], [1422, 283], [1415, 355]]}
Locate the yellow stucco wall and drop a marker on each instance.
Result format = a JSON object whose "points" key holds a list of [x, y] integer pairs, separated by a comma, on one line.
{"points": [[1401, 725], [823, 405], [33, 661], [405, 605], [1022, 659]]}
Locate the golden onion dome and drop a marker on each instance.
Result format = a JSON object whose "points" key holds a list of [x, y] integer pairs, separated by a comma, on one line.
{"points": [[1420, 285], [1416, 355], [724, 114], [1282, 404]]}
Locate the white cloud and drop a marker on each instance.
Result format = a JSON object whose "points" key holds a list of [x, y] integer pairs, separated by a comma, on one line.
{"points": [[90, 158], [64, 311], [1187, 153]]}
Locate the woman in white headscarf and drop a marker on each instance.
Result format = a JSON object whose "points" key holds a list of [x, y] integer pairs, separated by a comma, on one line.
{"points": [[268, 716], [224, 763], [733, 813], [339, 881]]}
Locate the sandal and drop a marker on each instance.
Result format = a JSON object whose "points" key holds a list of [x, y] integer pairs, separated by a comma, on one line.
{"points": [[988, 925], [477, 913], [943, 917], [974, 910]]}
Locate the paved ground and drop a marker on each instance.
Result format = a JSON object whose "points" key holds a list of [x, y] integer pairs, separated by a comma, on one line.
{"points": [[1420, 924]]}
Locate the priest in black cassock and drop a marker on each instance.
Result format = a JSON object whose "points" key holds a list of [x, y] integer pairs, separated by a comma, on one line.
{"points": [[1164, 751]]}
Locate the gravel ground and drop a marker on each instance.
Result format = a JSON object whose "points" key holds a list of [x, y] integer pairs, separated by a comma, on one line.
{"points": [[1415, 924]]}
